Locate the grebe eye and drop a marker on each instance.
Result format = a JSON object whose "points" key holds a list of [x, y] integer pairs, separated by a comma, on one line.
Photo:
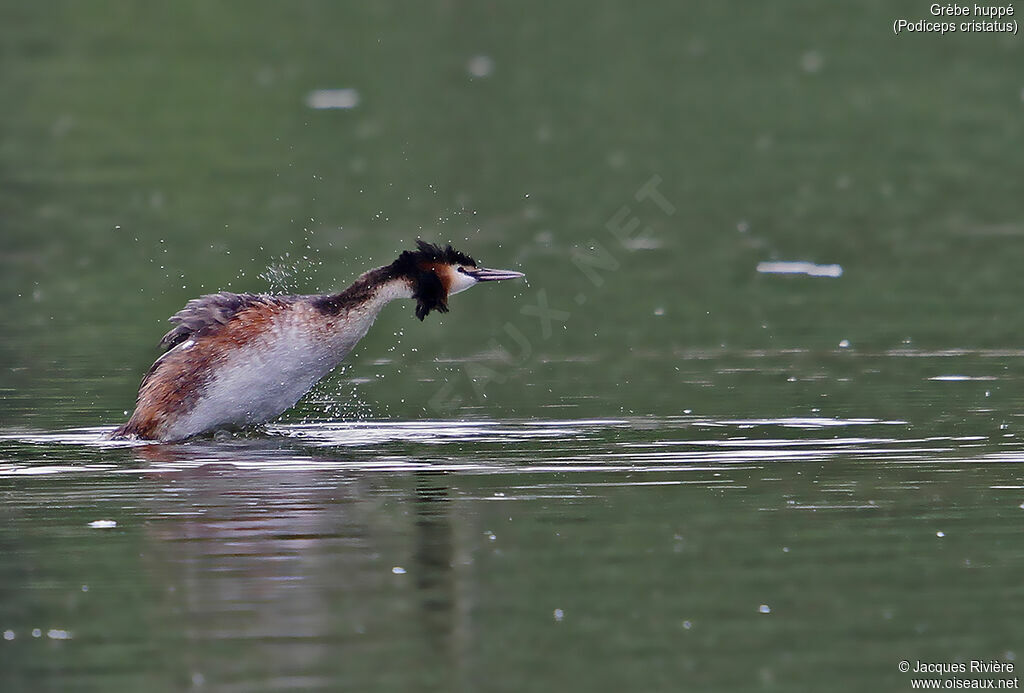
{"points": [[461, 269]]}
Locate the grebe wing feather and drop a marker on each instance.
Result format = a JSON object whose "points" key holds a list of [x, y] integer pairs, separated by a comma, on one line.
{"points": [[206, 314]]}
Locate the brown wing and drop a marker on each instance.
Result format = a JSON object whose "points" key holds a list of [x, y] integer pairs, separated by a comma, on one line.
{"points": [[201, 316], [206, 314]]}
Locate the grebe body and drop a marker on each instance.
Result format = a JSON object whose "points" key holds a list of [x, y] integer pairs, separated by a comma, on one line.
{"points": [[242, 359]]}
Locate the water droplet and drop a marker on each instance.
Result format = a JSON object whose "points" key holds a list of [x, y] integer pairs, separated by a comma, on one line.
{"points": [[398, 570], [8, 635], [940, 534], [558, 614], [764, 609]]}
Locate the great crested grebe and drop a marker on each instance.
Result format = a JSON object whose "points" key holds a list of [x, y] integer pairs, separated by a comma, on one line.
{"points": [[242, 359]]}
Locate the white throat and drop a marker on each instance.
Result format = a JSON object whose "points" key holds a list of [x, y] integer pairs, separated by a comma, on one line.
{"points": [[459, 282]]}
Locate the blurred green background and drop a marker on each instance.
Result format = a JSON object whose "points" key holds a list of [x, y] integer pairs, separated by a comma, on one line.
{"points": [[150, 154]]}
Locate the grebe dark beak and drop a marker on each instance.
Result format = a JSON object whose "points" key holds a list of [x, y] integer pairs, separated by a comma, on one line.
{"points": [[482, 274]]}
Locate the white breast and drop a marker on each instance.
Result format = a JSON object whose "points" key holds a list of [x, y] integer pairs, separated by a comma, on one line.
{"points": [[268, 375]]}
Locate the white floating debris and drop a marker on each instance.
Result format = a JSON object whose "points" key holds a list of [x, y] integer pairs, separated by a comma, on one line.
{"points": [[811, 61], [58, 634], [103, 524], [36, 633], [398, 570], [642, 243], [764, 609], [844, 344], [558, 614], [808, 268], [8, 635], [480, 66], [322, 99], [940, 534]]}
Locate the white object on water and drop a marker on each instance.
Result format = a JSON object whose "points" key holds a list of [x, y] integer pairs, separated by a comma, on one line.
{"points": [[103, 524], [324, 99], [764, 609], [398, 570], [480, 66], [808, 268]]}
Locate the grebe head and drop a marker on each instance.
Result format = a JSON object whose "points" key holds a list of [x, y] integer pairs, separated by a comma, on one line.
{"points": [[436, 273]]}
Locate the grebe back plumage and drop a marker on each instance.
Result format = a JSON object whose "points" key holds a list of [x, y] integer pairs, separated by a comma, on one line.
{"points": [[242, 359]]}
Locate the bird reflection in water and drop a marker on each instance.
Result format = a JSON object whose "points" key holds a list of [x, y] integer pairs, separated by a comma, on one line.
{"points": [[285, 576]]}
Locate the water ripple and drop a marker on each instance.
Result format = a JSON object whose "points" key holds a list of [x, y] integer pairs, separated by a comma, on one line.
{"points": [[641, 444]]}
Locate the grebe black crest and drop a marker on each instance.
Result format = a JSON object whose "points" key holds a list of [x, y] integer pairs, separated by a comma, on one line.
{"points": [[242, 359]]}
